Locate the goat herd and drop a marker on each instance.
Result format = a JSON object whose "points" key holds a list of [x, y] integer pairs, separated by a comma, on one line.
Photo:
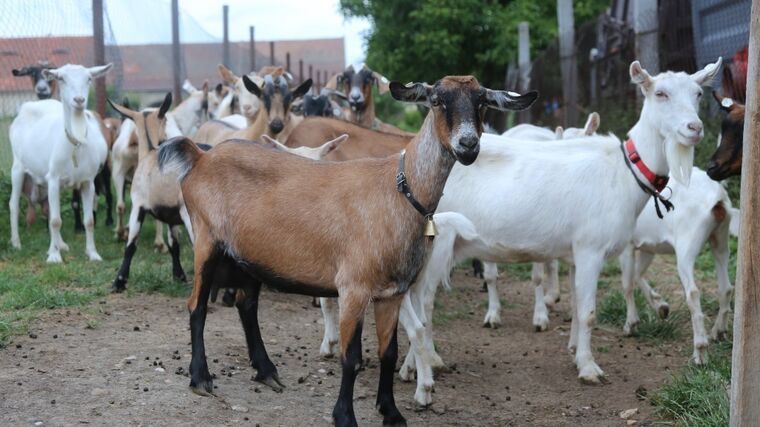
{"points": [[347, 206]]}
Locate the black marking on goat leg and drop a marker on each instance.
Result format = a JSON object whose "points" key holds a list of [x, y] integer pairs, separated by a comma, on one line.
{"points": [[103, 186], [76, 207], [177, 271], [385, 403], [200, 379], [343, 413], [248, 311], [167, 214], [120, 283]]}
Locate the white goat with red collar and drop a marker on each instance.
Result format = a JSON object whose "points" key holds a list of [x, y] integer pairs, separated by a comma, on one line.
{"points": [[578, 200]]}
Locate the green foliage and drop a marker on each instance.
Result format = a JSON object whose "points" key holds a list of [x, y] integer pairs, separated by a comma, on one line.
{"points": [[427, 39], [698, 395]]}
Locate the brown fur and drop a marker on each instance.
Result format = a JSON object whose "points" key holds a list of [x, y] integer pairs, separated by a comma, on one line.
{"points": [[719, 212], [320, 228], [361, 143], [727, 159]]}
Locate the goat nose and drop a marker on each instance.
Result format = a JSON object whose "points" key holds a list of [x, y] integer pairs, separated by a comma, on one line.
{"points": [[276, 126], [247, 107], [469, 142], [695, 126], [712, 164], [355, 96], [79, 99]]}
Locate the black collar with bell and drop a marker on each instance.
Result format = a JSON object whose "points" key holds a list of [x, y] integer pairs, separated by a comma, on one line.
{"points": [[403, 187]]}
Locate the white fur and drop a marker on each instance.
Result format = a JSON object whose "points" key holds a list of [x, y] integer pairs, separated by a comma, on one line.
{"points": [[539, 200], [42, 150]]}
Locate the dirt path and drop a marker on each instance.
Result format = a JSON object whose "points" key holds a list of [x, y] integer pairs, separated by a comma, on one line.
{"points": [[71, 374]]}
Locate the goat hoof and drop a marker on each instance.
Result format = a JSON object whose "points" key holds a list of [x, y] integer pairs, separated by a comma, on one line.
{"points": [[79, 229], [719, 335], [484, 289], [180, 277], [202, 388], [630, 328], [272, 381], [119, 285], [390, 413], [663, 311], [109, 222]]}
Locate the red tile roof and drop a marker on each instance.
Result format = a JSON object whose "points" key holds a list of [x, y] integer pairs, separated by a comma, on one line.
{"points": [[148, 67]]}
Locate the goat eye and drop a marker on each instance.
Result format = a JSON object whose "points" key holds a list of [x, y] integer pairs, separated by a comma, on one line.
{"points": [[699, 95], [661, 94]]}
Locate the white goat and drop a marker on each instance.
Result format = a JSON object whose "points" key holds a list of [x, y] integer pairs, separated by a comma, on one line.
{"points": [[703, 214], [61, 144], [579, 200]]}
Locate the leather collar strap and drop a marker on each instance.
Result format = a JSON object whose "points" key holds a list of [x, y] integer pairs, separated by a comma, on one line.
{"points": [[630, 155], [403, 187], [659, 182]]}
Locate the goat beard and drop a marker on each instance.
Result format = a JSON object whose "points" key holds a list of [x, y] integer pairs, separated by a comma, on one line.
{"points": [[680, 160]]}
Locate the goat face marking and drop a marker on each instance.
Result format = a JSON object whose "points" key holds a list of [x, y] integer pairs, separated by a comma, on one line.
{"points": [[276, 97], [458, 104], [42, 84], [727, 159]]}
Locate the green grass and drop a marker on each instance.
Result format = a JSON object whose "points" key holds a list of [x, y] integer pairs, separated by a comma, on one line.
{"points": [[29, 286], [611, 311], [698, 395], [6, 156]]}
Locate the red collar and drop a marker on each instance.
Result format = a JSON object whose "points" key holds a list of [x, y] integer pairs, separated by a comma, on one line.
{"points": [[657, 181]]}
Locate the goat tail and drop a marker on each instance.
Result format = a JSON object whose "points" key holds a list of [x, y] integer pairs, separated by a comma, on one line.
{"points": [[733, 225], [451, 226], [178, 155]]}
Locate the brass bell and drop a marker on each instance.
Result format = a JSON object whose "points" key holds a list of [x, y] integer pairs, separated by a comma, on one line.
{"points": [[430, 230]]}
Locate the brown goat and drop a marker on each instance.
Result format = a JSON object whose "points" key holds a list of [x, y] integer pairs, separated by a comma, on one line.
{"points": [[357, 86], [727, 159], [362, 142], [355, 235], [273, 119]]}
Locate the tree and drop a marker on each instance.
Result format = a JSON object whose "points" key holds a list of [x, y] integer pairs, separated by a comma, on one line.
{"points": [[426, 39]]}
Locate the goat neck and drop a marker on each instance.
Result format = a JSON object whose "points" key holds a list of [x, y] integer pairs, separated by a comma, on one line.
{"points": [[650, 143], [75, 122], [366, 117], [427, 165]]}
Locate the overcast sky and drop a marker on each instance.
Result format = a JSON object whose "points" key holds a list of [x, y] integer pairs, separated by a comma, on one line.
{"points": [[281, 20], [149, 21]]}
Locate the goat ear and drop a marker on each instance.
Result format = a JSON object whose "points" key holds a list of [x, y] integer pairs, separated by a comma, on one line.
{"points": [[330, 146], [123, 110], [559, 133], [50, 73], [100, 71], [227, 75], [272, 143], [505, 100], [251, 86], [640, 76], [381, 81], [18, 72], [592, 124], [705, 75], [188, 87], [725, 103], [334, 81], [411, 92], [301, 89], [164, 108]]}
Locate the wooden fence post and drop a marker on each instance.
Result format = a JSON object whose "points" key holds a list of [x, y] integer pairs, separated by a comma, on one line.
{"points": [[226, 40], [252, 49], [568, 65], [100, 55], [271, 53], [745, 369], [176, 59], [523, 62]]}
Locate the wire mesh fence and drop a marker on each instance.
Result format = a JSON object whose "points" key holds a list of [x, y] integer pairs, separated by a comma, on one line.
{"points": [[690, 34], [137, 36]]}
